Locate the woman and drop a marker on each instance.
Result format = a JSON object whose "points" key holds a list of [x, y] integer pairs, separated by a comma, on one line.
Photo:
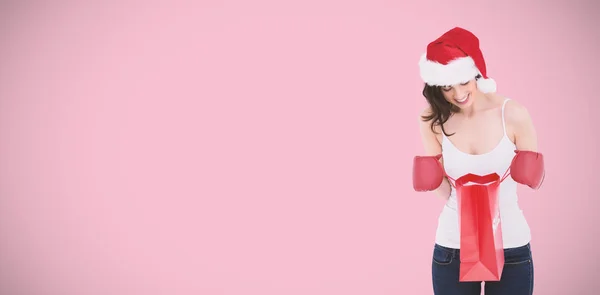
{"points": [[476, 131]]}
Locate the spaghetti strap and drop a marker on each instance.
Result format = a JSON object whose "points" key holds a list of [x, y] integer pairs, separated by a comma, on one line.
{"points": [[503, 120]]}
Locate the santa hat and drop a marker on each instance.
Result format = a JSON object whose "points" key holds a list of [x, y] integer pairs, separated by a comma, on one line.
{"points": [[455, 58]]}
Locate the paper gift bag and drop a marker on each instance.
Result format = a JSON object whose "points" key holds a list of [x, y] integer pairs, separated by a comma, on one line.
{"points": [[481, 247]]}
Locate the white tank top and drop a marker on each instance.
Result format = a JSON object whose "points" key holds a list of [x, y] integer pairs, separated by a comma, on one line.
{"points": [[515, 230]]}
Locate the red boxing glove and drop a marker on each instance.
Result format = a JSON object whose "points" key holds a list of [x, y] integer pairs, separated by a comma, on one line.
{"points": [[427, 173], [527, 168]]}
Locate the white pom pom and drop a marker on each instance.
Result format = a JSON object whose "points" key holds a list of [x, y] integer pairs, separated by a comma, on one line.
{"points": [[486, 85]]}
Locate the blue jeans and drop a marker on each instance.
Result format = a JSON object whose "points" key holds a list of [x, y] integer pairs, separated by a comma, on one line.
{"points": [[517, 276]]}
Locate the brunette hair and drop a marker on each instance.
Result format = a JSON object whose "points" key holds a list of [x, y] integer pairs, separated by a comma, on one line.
{"points": [[441, 109]]}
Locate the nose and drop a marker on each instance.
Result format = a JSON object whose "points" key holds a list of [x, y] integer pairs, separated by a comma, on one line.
{"points": [[459, 91]]}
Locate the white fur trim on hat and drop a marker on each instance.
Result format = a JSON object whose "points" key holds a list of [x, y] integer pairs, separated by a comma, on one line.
{"points": [[486, 85], [455, 72]]}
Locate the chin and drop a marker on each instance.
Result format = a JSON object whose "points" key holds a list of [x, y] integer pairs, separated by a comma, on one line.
{"points": [[464, 101]]}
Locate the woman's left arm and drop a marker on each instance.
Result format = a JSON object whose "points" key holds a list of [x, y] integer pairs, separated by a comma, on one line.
{"points": [[525, 135], [528, 168]]}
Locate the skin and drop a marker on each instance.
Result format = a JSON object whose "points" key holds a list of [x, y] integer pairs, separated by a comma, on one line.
{"points": [[478, 125]]}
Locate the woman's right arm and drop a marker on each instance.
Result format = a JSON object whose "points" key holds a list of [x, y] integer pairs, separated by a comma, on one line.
{"points": [[432, 148]]}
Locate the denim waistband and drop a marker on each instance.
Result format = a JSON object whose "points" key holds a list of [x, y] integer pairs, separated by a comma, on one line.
{"points": [[456, 252]]}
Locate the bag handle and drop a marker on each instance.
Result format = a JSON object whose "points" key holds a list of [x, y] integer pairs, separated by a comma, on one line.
{"points": [[452, 181], [507, 173]]}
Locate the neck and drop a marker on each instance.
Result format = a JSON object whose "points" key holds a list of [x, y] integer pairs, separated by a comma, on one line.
{"points": [[479, 102]]}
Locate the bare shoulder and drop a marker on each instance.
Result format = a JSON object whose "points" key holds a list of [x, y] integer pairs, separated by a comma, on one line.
{"points": [[424, 113], [520, 124], [516, 114], [426, 125]]}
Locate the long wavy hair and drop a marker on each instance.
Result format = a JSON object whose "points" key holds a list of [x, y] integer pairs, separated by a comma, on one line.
{"points": [[441, 109]]}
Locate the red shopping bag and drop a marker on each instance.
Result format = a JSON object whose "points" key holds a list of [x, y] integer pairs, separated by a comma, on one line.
{"points": [[481, 247]]}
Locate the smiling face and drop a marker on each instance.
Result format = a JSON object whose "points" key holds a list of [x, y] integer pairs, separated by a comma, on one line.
{"points": [[461, 95]]}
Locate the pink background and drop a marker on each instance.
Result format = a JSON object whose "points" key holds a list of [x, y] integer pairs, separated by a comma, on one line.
{"points": [[265, 147]]}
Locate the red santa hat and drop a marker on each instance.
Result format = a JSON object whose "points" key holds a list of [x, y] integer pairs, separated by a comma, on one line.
{"points": [[455, 58]]}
